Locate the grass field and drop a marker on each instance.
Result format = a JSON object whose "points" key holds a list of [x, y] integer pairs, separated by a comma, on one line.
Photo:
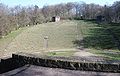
{"points": [[62, 36], [99, 39]]}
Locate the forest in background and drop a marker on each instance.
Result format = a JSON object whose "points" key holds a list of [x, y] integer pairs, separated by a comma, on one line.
{"points": [[20, 16]]}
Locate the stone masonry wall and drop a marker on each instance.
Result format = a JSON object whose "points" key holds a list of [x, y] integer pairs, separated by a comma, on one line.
{"points": [[19, 60], [57, 63]]}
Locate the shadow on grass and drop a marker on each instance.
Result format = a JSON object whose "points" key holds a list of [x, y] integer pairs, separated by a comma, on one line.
{"points": [[105, 36]]}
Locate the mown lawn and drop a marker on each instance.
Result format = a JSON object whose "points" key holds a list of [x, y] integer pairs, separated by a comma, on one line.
{"points": [[60, 36], [63, 35], [101, 39]]}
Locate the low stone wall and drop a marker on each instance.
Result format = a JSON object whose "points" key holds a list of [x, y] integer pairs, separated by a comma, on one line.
{"points": [[19, 60], [57, 63]]}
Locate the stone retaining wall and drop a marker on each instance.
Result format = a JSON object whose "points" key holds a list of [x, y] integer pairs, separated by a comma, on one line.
{"points": [[57, 63], [19, 60]]}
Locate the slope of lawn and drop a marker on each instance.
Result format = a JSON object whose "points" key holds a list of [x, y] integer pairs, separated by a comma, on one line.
{"points": [[60, 36], [101, 39], [4, 42], [63, 36]]}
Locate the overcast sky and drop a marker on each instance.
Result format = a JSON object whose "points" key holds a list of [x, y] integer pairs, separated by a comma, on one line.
{"points": [[41, 3]]}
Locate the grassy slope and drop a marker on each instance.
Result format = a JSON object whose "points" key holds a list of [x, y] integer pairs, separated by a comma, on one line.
{"points": [[61, 35], [4, 42], [96, 38], [82, 30]]}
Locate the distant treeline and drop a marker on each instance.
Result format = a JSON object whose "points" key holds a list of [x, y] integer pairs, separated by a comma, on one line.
{"points": [[19, 16]]}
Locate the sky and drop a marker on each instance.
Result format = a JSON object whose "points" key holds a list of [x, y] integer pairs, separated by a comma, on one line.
{"points": [[41, 3]]}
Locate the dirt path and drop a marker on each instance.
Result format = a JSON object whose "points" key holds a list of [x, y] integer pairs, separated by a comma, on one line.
{"points": [[79, 55], [83, 53]]}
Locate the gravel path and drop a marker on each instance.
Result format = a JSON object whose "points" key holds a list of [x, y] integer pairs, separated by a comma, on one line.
{"points": [[44, 71], [84, 54]]}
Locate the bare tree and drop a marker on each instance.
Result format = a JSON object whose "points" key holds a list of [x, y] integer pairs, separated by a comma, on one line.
{"points": [[116, 11], [69, 7]]}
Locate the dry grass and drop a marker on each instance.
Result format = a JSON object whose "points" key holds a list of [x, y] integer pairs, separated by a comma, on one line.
{"points": [[61, 34]]}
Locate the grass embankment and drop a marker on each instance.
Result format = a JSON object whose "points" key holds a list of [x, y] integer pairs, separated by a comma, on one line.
{"points": [[4, 42], [64, 35], [101, 39], [60, 36]]}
